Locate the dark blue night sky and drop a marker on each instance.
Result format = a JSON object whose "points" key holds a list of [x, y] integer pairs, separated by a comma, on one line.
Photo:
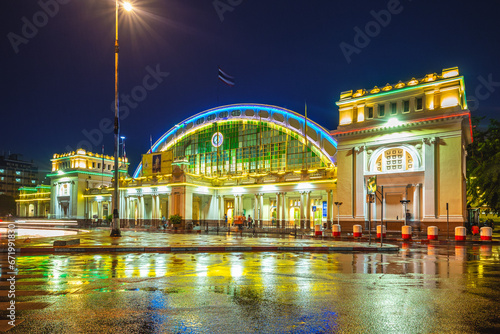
{"points": [[58, 78]]}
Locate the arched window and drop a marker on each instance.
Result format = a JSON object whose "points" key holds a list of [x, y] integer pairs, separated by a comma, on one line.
{"points": [[395, 159]]}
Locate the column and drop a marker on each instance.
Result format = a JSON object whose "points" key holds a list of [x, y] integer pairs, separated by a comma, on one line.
{"points": [[429, 190], [283, 208], [141, 210], [329, 205], [125, 212], [278, 203], [241, 205], [256, 210], [261, 209], [416, 202], [169, 205], [302, 209], [308, 209], [99, 209], [236, 205]]}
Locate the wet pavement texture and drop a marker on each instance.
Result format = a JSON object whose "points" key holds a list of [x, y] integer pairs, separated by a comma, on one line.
{"points": [[140, 239], [420, 289]]}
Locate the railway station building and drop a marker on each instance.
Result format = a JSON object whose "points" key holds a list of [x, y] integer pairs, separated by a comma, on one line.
{"points": [[286, 171]]}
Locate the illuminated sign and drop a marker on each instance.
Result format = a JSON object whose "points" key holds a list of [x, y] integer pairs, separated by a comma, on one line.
{"points": [[217, 139]]}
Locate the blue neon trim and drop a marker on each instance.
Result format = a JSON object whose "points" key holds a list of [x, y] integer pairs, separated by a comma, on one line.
{"points": [[229, 108]]}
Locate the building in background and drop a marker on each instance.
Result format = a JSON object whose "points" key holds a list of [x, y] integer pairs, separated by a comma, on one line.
{"points": [[16, 173]]}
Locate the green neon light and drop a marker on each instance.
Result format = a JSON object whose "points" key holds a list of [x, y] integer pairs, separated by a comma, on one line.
{"points": [[83, 172], [461, 79], [85, 156]]}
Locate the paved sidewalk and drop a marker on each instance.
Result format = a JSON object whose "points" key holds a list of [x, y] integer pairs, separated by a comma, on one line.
{"points": [[142, 241]]}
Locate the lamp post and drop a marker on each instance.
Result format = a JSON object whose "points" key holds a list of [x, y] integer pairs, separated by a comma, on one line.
{"points": [[115, 226], [405, 202], [338, 204]]}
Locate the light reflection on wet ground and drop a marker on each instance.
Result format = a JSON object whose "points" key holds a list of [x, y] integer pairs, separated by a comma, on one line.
{"points": [[422, 289]]}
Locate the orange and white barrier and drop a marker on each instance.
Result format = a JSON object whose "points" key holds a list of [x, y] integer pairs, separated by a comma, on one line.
{"points": [[379, 228], [432, 233], [406, 232], [336, 230], [317, 230], [460, 233], [486, 233], [357, 231]]}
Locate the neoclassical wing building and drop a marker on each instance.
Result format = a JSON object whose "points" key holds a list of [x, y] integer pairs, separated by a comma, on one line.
{"points": [[286, 171]]}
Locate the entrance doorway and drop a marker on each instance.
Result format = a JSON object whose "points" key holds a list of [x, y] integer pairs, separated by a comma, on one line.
{"points": [[229, 210], [294, 212]]}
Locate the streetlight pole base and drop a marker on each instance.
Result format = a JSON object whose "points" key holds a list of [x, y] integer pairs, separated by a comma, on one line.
{"points": [[115, 233]]}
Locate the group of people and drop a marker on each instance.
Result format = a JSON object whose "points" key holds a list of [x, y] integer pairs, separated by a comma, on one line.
{"points": [[247, 222]]}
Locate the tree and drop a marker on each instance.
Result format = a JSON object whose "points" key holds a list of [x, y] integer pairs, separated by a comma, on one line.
{"points": [[483, 166], [7, 205]]}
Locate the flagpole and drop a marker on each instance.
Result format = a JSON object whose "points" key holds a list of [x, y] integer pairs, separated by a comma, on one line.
{"points": [[217, 87], [305, 132], [102, 168]]}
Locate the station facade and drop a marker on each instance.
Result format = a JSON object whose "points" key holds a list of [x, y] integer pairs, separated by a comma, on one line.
{"points": [[287, 172]]}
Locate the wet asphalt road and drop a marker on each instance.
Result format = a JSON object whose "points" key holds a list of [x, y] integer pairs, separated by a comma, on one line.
{"points": [[421, 289]]}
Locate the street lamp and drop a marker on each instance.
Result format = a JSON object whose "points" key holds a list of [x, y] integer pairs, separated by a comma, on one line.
{"points": [[338, 204], [115, 226], [405, 202]]}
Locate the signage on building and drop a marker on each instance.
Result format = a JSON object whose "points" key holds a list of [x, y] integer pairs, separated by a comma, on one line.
{"points": [[157, 163], [372, 184], [325, 208]]}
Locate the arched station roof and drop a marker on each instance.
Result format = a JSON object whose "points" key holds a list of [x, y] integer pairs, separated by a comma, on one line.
{"points": [[316, 134]]}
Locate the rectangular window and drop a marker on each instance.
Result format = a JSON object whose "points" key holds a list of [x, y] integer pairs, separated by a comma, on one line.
{"points": [[2, 178], [419, 104], [18, 172], [2, 171], [406, 106], [33, 181], [370, 112], [93, 165], [381, 110], [98, 165], [109, 167], [18, 180], [394, 108]]}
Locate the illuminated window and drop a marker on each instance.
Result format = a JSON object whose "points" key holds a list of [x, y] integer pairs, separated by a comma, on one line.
{"points": [[2, 178], [381, 110], [33, 181], [419, 103], [2, 170], [406, 106], [18, 180], [394, 108], [394, 160], [18, 172], [370, 112]]}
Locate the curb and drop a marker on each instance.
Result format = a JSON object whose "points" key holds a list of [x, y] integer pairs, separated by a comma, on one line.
{"points": [[38, 250]]}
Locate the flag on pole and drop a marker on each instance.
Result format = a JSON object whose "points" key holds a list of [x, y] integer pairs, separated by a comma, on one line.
{"points": [[226, 78]]}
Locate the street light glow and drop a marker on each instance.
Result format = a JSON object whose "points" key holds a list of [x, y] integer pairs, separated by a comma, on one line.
{"points": [[128, 6]]}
